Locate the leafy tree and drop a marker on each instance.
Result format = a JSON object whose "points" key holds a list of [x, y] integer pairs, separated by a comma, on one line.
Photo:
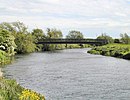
{"points": [[38, 35], [54, 34], [19, 27], [75, 35], [9, 27], [7, 41], [125, 38], [23, 39], [106, 37], [24, 43]]}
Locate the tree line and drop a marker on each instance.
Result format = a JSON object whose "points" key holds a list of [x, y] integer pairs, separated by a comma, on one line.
{"points": [[15, 38]]}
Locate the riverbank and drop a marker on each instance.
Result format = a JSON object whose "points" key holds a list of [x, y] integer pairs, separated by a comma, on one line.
{"points": [[113, 50], [11, 90]]}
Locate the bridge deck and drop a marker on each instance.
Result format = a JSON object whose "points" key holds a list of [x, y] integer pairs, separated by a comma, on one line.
{"points": [[73, 41]]}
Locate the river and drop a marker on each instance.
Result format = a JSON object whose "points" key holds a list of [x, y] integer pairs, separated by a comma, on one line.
{"points": [[72, 74]]}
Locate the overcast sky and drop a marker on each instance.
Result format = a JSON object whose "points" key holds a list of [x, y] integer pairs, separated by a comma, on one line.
{"points": [[91, 17]]}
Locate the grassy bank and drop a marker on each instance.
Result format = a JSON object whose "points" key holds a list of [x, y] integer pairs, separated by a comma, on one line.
{"points": [[114, 50], [10, 90]]}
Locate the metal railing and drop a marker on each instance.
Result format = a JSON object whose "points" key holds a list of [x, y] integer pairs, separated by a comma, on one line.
{"points": [[73, 41]]}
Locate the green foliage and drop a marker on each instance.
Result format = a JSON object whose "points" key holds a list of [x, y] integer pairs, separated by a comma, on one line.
{"points": [[8, 26], [14, 27], [115, 50], [16, 33], [7, 42], [125, 38], [24, 43], [72, 46], [55, 34], [75, 35], [106, 37], [38, 35], [9, 89], [3, 57]]}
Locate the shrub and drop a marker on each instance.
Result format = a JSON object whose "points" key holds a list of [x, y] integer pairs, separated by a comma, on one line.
{"points": [[9, 89]]}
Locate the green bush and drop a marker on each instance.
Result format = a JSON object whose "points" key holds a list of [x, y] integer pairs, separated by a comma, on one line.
{"points": [[114, 50], [10, 90], [4, 58]]}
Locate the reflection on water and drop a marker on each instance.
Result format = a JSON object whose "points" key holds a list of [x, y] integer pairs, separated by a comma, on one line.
{"points": [[73, 75]]}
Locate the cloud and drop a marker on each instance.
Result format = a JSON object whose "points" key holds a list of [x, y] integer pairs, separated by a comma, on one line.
{"points": [[69, 14]]}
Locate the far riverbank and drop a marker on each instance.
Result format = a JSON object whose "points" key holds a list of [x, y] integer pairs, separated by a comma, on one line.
{"points": [[113, 50]]}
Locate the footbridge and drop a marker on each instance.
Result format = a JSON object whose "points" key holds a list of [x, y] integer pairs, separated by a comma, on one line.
{"points": [[73, 41]]}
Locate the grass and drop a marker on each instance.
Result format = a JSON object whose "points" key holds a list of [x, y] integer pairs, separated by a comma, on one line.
{"points": [[10, 90], [114, 50]]}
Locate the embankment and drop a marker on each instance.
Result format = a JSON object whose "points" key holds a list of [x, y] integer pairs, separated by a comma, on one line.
{"points": [[11, 90], [113, 50]]}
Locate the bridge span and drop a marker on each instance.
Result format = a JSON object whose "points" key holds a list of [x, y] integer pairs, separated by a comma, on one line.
{"points": [[73, 41]]}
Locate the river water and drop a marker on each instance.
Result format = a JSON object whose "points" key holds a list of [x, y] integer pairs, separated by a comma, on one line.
{"points": [[72, 74]]}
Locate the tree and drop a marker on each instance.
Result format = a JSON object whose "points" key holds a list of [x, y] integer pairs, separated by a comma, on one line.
{"points": [[14, 27], [75, 35], [7, 42], [9, 27], [54, 33], [24, 43], [38, 35], [106, 37], [125, 38], [19, 27], [23, 39]]}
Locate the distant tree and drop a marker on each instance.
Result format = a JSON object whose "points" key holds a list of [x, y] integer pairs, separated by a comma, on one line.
{"points": [[54, 33], [38, 35], [75, 35], [125, 38], [106, 37]]}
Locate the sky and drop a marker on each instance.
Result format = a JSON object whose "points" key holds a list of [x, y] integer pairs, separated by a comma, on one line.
{"points": [[91, 17]]}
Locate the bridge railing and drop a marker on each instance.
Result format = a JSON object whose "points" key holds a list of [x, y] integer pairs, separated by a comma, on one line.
{"points": [[74, 40]]}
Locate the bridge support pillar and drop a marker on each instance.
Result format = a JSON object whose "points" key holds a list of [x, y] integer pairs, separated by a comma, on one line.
{"points": [[66, 45], [45, 47]]}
